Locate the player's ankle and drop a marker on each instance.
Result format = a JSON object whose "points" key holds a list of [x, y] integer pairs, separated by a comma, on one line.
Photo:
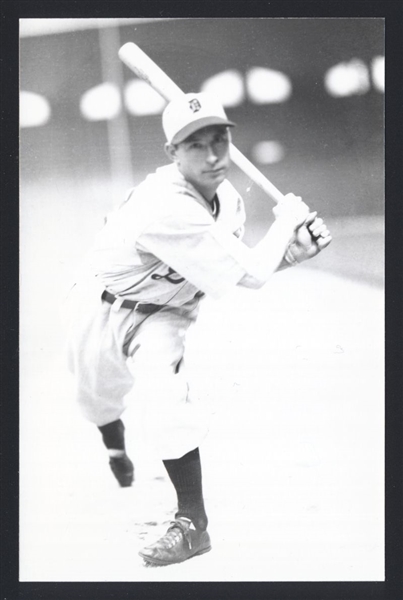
{"points": [[199, 519], [115, 453]]}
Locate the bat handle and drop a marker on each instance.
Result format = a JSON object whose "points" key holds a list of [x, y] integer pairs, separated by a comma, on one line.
{"points": [[257, 176]]}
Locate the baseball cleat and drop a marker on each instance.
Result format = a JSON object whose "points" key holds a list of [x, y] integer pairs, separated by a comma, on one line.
{"points": [[123, 469], [181, 541]]}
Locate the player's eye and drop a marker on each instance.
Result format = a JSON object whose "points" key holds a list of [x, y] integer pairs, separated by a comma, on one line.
{"points": [[221, 138]]}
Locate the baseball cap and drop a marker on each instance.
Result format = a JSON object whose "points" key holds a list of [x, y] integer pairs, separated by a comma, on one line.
{"points": [[188, 113]]}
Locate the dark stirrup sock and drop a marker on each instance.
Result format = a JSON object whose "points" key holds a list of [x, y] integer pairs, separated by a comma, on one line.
{"points": [[186, 476], [113, 435]]}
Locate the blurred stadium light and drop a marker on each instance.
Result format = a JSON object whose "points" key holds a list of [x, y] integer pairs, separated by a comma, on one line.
{"points": [[34, 109], [141, 99], [268, 152], [378, 73], [347, 79], [266, 86], [228, 86], [101, 102]]}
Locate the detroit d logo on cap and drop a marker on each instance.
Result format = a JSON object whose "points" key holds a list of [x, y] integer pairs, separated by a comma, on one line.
{"points": [[194, 105]]}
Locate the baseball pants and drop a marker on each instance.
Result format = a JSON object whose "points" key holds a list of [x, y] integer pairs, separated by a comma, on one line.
{"points": [[114, 350]]}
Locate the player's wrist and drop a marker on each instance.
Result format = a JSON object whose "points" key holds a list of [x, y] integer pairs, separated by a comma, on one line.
{"points": [[290, 257]]}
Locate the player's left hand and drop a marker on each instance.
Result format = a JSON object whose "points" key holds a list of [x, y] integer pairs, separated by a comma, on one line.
{"points": [[310, 239]]}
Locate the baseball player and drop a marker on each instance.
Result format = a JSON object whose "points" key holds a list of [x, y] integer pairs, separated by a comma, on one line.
{"points": [[176, 239]]}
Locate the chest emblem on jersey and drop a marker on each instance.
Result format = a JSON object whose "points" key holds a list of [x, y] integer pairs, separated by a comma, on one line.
{"points": [[171, 276], [194, 105]]}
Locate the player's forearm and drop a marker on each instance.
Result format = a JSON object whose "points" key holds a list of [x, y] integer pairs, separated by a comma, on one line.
{"points": [[268, 255]]}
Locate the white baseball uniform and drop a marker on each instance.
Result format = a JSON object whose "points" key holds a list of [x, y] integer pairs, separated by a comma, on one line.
{"points": [[166, 246]]}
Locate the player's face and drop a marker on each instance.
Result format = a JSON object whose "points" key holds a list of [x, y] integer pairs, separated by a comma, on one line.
{"points": [[203, 158]]}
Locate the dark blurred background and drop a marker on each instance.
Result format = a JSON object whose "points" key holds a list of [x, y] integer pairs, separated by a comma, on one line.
{"points": [[75, 170]]}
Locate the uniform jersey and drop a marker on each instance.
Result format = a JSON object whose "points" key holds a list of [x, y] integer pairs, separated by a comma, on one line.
{"points": [[166, 243]]}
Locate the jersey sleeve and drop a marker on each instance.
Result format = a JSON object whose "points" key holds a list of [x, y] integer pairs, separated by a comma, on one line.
{"points": [[199, 249]]}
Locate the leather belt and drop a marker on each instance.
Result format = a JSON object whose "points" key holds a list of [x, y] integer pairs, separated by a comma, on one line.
{"points": [[132, 304]]}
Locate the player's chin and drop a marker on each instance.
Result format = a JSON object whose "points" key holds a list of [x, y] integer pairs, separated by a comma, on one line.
{"points": [[217, 175]]}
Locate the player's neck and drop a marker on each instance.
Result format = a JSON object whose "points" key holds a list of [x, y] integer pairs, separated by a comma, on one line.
{"points": [[210, 197], [208, 193]]}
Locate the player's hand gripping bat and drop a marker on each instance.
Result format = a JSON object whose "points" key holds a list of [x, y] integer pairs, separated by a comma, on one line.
{"points": [[145, 68]]}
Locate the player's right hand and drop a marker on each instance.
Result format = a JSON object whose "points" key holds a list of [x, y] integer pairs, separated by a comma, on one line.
{"points": [[292, 209]]}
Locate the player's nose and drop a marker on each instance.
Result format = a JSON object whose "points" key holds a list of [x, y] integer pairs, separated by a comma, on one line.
{"points": [[211, 156]]}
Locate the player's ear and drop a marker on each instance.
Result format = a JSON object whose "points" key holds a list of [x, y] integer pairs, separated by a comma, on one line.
{"points": [[170, 151]]}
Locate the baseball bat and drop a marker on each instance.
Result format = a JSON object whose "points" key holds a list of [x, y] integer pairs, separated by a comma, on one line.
{"points": [[145, 68]]}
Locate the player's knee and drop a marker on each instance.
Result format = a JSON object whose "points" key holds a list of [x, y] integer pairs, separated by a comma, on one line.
{"points": [[163, 387]]}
